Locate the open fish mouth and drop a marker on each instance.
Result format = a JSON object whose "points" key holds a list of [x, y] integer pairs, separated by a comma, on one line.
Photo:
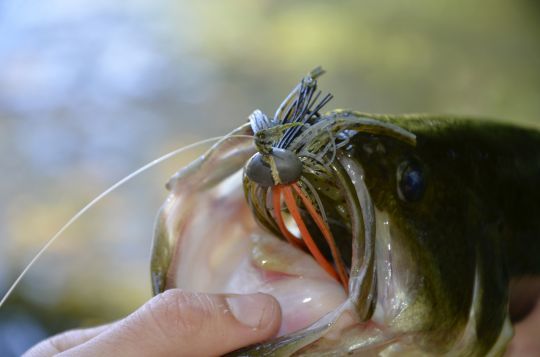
{"points": [[221, 249], [207, 240]]}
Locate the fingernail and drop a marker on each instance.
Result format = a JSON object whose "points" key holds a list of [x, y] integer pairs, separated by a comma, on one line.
{"points": [[252, 310]]}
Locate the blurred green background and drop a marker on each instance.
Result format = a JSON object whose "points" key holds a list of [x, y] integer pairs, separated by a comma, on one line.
{"points": [[92, 89]]}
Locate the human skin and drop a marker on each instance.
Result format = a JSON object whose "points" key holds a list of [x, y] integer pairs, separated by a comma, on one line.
{"points": [[526, 341], [174, 323], [525, 306]]}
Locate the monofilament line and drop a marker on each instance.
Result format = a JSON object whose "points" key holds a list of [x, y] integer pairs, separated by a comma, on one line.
{"points": [[102, 195]]}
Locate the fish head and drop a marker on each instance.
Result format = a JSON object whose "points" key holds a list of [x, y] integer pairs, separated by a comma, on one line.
{"points": [[361, 230]]}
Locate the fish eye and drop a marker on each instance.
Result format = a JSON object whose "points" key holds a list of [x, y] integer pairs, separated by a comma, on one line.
{"points": [[411, 182]]}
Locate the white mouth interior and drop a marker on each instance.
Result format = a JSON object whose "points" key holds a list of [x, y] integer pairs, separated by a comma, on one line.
{"points": [[221, 249]]}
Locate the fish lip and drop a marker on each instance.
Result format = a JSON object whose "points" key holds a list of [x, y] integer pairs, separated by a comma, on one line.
{"points": [[362, 280]]}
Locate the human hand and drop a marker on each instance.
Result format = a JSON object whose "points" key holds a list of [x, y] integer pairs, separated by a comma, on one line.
{"points": [[525, 304], [526, 340], [175, 323]]}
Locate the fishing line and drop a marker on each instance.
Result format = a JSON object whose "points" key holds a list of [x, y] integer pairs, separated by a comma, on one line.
{"points": [[101, 196]]}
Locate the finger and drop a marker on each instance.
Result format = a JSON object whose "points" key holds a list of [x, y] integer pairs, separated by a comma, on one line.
{"points": [[526, 340], [64, 341], [179, 323]]}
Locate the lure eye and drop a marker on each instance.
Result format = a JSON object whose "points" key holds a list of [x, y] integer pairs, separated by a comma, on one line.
{"points": [[289, 168], [411, 181]]}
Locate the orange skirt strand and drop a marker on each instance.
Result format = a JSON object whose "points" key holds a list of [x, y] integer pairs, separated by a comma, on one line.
{"points": [[338, 260], [276, 201], [295, 213]]}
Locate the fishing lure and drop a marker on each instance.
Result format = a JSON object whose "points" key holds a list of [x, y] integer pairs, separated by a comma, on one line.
{"points": [[297, 147]]}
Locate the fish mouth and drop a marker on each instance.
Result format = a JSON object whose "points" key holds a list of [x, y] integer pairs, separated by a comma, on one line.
{"points": [[216, 246], [219, 248]]}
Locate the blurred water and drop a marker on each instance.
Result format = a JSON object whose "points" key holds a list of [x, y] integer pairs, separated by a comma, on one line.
{"points": [[90, 90], [18, 333]]}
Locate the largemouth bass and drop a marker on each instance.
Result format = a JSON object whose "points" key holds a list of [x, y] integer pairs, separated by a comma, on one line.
{"points": [[378, 234]]}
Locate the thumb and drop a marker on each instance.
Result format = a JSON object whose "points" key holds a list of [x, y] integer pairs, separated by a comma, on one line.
{"points": [[180, 323]]}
